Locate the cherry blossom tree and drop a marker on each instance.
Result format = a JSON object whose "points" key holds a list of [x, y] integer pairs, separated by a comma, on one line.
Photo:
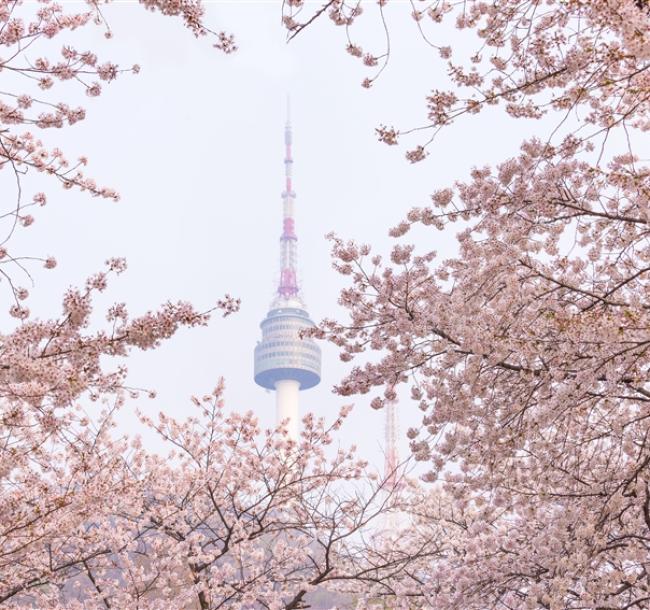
{"points": [[528, 351], [228, 519], [532, 58], [53, 471], [39, 78]]}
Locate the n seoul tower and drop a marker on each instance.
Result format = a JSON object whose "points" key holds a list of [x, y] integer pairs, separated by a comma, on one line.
{"points": [[285, 362]]}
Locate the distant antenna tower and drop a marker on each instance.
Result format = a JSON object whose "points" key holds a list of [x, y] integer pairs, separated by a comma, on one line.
{"points": [[391, 521], [285, 361], [391, 458]]}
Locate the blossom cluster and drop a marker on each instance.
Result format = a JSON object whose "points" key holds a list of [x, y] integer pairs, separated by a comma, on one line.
{"points": [[527, 353]]}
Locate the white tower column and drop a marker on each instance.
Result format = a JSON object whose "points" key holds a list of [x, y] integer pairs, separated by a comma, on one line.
{"points": [[286, 401]]}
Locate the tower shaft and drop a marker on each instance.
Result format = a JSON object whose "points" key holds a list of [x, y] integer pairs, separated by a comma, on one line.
{"points": [[286, 405]]}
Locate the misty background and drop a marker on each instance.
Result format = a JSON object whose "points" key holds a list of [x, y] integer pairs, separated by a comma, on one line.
{"points": [[194, 145]]}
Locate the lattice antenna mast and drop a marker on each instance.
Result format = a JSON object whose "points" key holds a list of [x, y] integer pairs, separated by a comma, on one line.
{"points": [[288, 287], [390, 450]]}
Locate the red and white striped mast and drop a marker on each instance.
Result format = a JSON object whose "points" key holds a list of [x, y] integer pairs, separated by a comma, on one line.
{"points": [[288, 287], [391, 458], [391, 525]]}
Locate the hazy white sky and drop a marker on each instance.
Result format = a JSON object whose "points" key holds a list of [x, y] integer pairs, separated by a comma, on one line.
{"points": [[194, 144]]}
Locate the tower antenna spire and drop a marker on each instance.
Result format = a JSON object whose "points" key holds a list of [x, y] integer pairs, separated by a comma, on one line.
{"points": [[288, 287]]}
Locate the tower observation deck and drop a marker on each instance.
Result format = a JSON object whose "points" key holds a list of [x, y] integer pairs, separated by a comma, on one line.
{"points": [[284, 361]]}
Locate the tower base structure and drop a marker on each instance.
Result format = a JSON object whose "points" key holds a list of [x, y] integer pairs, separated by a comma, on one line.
{"points": [[286, 404]]}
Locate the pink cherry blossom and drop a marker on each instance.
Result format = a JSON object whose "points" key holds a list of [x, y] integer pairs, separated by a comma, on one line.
{"points": [[527, 352]]}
